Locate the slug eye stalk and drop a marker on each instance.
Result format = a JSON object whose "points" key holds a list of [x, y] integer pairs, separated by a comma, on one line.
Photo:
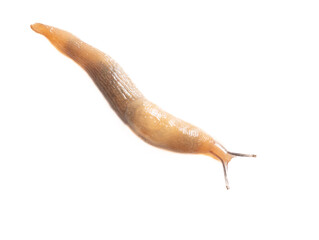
{"points": [[225, 168], [225, 165], [242, 154]]}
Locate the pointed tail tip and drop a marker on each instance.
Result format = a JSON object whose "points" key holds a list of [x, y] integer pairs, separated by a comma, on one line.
{"points": [[39, 28], [35, 27]]}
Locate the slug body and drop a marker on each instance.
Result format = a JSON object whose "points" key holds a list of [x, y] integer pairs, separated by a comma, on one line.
{"points": [[147, 120]]}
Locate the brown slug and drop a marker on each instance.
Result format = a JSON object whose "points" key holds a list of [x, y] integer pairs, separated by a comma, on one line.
{"points": [[147, 120]]}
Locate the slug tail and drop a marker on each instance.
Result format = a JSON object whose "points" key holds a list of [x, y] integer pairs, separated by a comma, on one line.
{"points": [[57, 37], [39, 28], [69, 45]]}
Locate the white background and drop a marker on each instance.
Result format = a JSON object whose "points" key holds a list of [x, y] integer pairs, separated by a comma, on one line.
{"points": [[244, 71]]}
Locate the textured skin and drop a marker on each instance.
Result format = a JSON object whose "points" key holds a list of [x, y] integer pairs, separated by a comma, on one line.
{"points": [[115, 85], [109, 77]]}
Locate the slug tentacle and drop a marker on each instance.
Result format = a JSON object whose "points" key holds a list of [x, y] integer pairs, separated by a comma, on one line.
{"points": [[145, 119], [225, 167], [242, 154]]}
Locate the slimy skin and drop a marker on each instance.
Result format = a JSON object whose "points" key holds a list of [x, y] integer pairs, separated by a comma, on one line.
{"points": [[146, 119]]}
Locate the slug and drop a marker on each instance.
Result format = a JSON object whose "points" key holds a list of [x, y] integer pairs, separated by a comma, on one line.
{"points": [[146, 119]]}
